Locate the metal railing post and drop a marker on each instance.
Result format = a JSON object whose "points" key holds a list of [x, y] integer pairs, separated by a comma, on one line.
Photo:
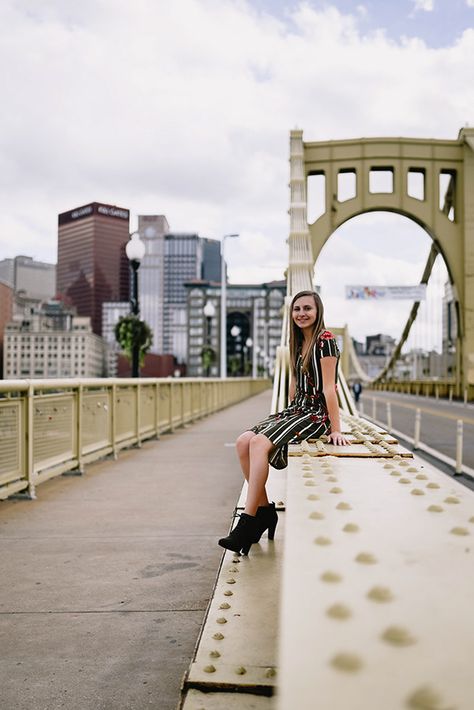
{"points": [[374, 408], [30, 464], [389, 417], [114, 421], [459, 446], [416, 438]]}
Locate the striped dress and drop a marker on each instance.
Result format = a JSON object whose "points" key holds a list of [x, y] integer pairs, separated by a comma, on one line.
{"points": [[307, 416]]}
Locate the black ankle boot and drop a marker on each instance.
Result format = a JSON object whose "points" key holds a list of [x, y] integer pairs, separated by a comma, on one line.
{"points": [[242, 536], [267, 519]]}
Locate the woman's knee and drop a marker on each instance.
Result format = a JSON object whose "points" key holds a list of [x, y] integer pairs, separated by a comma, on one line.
{"points": [[243, 441], [260, 443]]}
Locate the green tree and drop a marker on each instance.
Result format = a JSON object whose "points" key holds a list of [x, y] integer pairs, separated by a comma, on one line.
{"points": [[129, 330]]}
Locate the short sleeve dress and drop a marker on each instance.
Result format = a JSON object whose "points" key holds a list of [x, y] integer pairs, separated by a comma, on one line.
{"points": [[307, 416]]}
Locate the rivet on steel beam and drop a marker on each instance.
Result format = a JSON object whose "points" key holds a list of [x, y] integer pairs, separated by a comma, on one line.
{"points": [[224, 605], [366, 558], [218, 637], [348, 662], [471, 520], [403, 463], [313, 496], [380, 594], [233, 570], [417, 492], [459, 531], [335, 489], [236, 562], [395, 473], [398, 636], [322, 540], [241, 670], [452, 499], [344, 506], [231, 581], [339, 611], [331, 577], [433, 485], [397, 457], [404, 480], [215, 654], [412, 469], [422, 477], [425, 698], [308, 475], [351, 528], [270, 673], [316, 515], [209, 669], [333, 479], [388, 465], [228, 593], [310, 483], [221, 620], [435, 509]]}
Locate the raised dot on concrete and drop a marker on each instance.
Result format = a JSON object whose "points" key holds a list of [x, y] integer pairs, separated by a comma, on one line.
{"points": [[335, 489], [398, 636], [404, 480], [209, 669], [331, 577], [395, 473], [452, 499], [412, 469], [231, 581], [316, 515], [343, 506], [347, 662], [380, 594], [421, 477], [417, 492], [215, 654], [218, 637], [221, 620], [339, 611], [433, 485], [224, 605]]}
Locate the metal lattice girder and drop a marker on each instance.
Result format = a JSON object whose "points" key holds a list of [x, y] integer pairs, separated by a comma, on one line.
{"points": [[377, 586]]}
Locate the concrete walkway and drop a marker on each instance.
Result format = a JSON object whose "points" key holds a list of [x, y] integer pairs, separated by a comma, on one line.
{"points": [[105, 578]]}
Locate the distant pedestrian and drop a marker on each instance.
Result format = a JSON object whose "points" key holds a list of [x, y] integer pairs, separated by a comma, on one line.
{"points": [[312, 412], [357, 389]]}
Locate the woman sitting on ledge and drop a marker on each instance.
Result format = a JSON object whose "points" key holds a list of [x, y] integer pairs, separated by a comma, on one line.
{"points": [[313, 411]]}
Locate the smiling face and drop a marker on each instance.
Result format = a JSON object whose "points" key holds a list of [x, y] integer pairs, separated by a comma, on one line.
{"points": [[304, 313]]}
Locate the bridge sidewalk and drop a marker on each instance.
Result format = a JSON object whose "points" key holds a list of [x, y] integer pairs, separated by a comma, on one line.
{"points": [[106, 578]]}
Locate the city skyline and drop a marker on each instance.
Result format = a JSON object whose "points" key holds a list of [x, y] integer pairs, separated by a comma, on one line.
{"points": [[192, 120]]}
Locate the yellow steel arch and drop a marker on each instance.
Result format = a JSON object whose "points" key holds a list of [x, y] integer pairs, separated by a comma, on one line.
{"points": [[448, 218]]}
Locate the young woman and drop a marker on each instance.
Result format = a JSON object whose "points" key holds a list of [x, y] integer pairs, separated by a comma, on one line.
{"points": [[313, 411]]}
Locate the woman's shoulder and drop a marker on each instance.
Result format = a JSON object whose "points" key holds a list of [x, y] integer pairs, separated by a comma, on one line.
{"points": [[325, 335]]}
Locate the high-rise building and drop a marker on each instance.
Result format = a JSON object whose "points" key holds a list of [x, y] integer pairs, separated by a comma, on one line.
{"points": [[184, 260], [6, 312], [29, 278], [52, 342], [151, 275], [254, 323], [92, 264]]}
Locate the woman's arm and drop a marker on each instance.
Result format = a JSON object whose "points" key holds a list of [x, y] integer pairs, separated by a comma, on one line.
{"points": [[328, 369], [291, 388]]}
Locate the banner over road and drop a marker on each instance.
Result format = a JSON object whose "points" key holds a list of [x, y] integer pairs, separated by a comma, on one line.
{"points": [[384, 293]]}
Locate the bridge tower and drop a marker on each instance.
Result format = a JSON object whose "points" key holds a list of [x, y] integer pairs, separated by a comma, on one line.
{"points": [[443, 206]]}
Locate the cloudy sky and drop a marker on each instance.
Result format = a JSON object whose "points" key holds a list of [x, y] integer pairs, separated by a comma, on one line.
{"points": [[183, 108]]}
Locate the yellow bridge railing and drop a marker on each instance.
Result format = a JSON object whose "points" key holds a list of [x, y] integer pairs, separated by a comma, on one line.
{"points": [[48, 427]]}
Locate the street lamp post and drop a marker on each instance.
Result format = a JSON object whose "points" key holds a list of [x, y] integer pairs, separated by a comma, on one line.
{"points": [[209, 312], [223, 347], [135, 250]]}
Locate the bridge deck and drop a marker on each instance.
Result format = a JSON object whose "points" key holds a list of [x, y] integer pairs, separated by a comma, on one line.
{"points": [[106, 578]]}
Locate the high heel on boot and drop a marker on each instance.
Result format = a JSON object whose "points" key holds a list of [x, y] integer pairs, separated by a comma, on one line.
{"points": [[267, 519], [241, 538]]}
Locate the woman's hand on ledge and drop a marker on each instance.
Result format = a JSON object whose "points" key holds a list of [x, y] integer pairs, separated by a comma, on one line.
{"points": [[335, 437]]}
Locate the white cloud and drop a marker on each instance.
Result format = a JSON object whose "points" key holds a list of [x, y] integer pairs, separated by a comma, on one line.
{"points": [[470, 3], [184, 109], [425, 5]]}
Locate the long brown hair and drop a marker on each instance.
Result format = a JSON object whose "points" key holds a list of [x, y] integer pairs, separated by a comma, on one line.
{"points": [[296, 336]]}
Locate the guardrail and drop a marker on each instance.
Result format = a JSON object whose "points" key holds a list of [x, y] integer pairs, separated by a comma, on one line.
{"points": [[429, 388], [49, 427]]}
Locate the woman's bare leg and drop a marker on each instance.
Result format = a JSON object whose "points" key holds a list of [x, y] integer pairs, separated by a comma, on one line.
{"points": [[242, 446], [259, 450]]}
